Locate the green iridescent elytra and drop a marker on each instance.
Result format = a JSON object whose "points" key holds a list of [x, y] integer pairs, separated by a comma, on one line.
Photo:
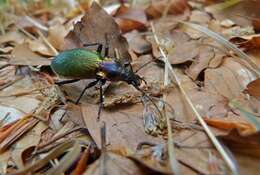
{"points": [[77, 63], [86, 64]]}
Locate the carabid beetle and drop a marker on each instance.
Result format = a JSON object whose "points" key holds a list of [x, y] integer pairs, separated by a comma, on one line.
{"points": [[80, 63]]}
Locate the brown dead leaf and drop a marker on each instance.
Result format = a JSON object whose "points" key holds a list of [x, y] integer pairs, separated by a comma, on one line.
{"points": [[137, 42], [22, 55], [130, 18], [247, 42], [175, 7], [201, 62], [183, 52], [228, 80], [253, 88], [7, 75], [205, 102], [153, 158], [93, 28], [124, 125], [228, 124], [195, 145], [6, 49], [15, 37], [4, 158], [248, 144], [40, 47], [28, 141], [238, 12], [56, 35], [21, 128], [115, 164], [256, 24], [9, 115], [237, 31], [200, 17]]}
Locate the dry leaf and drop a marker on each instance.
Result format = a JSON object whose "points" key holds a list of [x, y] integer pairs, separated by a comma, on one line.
{"points": [[183, 52], [15, 37], [137, 42], [40, 47], [228, 124], [247, 42], [249, 144], [124, 126], [84, 33], [153, 158], [228, 80], [22, 55], [130, 18], [253, 88], [56, 35], [175, 7], [115, 164], [9, 115], [29, 141], [200, 17], [201, 62]]}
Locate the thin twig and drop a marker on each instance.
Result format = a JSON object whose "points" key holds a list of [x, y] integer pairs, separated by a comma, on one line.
{"points": [[47, 42], [36, 23], [170, 144], [214, 140]]}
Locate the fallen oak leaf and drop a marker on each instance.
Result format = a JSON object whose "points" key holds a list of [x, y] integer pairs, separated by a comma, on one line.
{"points": [[85, 33], [130, 18], [115, 164], [246, 144], [55, 153], [183, 52], [201, 62], [7, 130], [13, 37], [22, 55], [253, 88], [25, 146], [242, 126], [82, 164], [247, 42], [124, 127], [20, 130], [156, 9], [56, 35], [138, 43]]}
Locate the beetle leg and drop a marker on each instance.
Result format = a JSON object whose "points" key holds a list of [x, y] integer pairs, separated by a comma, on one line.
{"points": [[106, 46], [99, 46], [101, 96], [66, 81], [84, 90]]}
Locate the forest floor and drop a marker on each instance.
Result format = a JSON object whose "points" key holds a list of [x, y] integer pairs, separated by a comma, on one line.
{"points": [[200, 60]]}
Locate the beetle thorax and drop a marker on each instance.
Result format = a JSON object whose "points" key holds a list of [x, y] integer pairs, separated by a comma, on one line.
{"points": [[114, 71]]}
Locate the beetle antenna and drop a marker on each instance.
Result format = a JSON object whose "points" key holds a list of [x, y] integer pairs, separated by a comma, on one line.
{"points": [[145, 64], [151, 100]]}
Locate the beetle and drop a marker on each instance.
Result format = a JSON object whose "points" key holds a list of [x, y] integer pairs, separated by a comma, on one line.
{"points": [[80, 63]]}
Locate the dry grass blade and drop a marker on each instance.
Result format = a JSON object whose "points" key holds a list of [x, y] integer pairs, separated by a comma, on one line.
{"points": [[226, 43], [52, 155], [67, 161], [249, 116], [214, 140], [170, 144], [47, 43], [103, 170], [36, 24], [222, 5]]}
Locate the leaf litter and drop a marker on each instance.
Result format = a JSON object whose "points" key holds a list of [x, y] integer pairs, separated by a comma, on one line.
{"points": [[43, 132]]}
